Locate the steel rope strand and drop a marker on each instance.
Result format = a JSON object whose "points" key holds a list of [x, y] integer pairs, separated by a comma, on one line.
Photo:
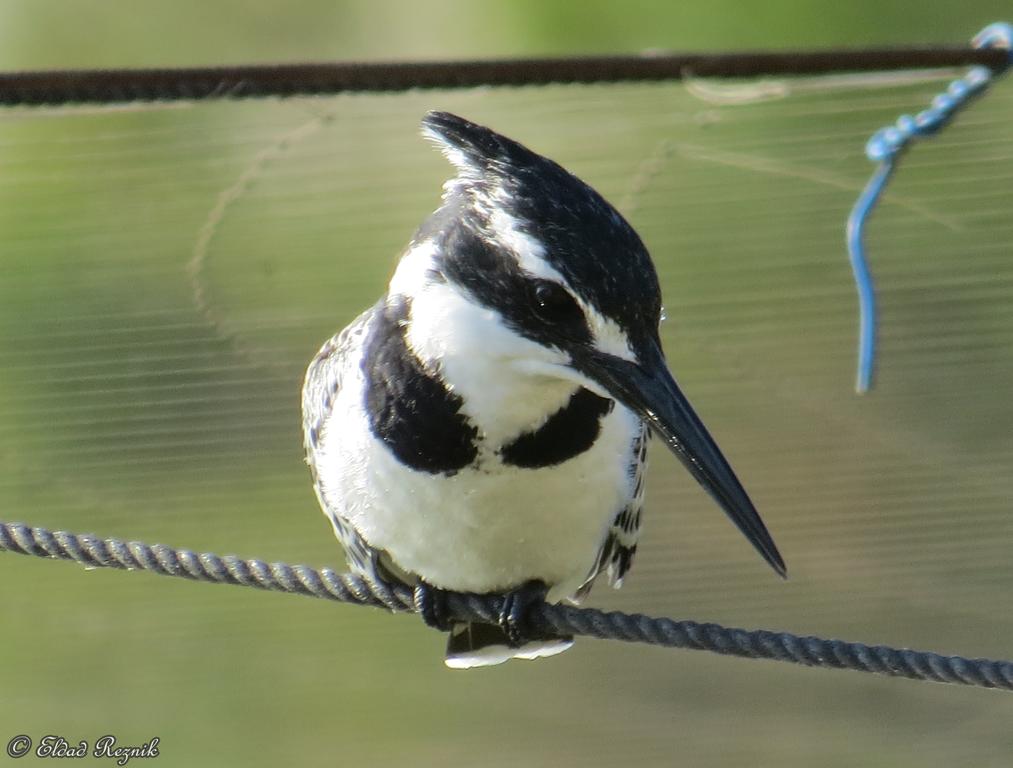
{"points": [[95, 552]]}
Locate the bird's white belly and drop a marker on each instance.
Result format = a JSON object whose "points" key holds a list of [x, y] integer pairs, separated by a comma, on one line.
{"points": [[484, 529]]}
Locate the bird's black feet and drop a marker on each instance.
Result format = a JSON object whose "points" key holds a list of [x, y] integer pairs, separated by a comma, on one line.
{"points": [[431, 603], [513, 616]]}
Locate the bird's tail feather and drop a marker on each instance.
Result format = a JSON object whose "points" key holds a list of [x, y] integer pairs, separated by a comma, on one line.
{"points": [[474, 644]]}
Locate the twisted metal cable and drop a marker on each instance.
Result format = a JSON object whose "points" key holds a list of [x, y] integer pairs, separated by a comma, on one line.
{"points": [[94, 552], [258, 81]]}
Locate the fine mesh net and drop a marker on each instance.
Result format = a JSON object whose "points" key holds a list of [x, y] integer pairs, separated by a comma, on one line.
{"points": [[169, 270]]}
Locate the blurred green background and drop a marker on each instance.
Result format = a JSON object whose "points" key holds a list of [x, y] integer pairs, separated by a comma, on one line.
{"points": [[168, 270]]}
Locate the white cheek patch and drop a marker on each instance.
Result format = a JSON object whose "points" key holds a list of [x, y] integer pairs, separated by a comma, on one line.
{"points": [[442, 323], [506, 382], [447, 327], [413, 270]]}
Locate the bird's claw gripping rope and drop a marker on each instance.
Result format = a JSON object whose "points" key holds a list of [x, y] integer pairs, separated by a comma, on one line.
{"points": [[431, 605], [516, 604], [885, 147]]}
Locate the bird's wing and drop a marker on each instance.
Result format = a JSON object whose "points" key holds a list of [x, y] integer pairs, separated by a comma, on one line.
{"points": [[320, 389], [323, 377], [620, 545]]}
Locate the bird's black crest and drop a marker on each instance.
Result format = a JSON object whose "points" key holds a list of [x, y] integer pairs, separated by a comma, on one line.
{"points": [[585, 238], [479, 147]]}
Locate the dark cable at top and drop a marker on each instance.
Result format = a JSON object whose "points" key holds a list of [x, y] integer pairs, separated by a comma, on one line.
{"points": [[258, 81]]}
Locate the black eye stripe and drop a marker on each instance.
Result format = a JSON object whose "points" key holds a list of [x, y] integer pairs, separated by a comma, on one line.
{"points": [[495, 280]]}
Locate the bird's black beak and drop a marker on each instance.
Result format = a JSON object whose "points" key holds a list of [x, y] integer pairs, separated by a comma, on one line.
{"points": [[649, 390]]}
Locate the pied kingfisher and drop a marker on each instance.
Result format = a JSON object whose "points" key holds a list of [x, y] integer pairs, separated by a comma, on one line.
{"points": [[483, 427]]}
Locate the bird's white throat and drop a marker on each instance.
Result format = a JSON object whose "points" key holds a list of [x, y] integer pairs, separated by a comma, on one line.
{"points": [[508, 383]]}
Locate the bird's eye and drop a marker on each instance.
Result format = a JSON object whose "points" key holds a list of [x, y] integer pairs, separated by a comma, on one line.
{"points": [[553, 303]]}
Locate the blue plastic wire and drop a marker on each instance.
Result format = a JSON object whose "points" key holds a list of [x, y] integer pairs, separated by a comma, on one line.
{"points": [[885, 147]]}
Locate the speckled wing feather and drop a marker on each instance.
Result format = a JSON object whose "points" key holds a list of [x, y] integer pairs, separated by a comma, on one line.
{"points": [[616, 554], [322, 384]]}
